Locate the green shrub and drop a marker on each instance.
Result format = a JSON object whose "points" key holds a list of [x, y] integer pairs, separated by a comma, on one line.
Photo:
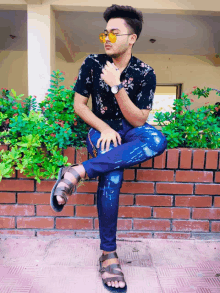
{"points": [[37, 133], [190, 128]]}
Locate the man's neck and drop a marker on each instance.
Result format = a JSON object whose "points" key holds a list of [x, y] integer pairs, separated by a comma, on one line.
{"points": [[122, 61]]}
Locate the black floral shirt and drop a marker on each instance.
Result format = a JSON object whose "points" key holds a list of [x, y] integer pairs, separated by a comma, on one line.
{"points": [[138, 79]]}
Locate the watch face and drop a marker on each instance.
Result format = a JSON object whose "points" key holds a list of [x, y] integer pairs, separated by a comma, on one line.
{"points": [[114, 89]]}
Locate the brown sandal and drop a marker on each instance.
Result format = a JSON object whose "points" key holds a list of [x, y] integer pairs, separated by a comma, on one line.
{"points": [[112, 269], [63, 190]]}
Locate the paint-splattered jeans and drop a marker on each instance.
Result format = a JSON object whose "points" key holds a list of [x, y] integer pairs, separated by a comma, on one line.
{"points": [[138, 144]]}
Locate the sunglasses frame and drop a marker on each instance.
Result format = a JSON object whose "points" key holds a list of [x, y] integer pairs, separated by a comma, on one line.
{"points": [[107, 33]]}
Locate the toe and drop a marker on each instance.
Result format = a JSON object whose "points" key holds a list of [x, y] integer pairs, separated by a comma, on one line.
{"points": [[116, 284], [109, 284], [113, 284], [60, 199], [121, 284]]}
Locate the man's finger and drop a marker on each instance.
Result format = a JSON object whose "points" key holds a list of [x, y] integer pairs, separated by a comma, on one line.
{"points": [[97, 145], [119, 138]]}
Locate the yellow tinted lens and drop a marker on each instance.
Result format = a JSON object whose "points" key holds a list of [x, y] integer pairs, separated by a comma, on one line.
{"points": [[112, 37], [102, 38]]}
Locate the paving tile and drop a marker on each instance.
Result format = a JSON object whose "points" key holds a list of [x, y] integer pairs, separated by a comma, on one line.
{"points": [[43, 264]]}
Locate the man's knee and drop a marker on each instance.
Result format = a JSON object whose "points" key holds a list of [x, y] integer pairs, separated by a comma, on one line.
{"points": [[155, 144], [160, 143]]}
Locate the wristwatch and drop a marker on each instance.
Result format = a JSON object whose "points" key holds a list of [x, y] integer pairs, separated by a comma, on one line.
{"points": [[116, 88]]}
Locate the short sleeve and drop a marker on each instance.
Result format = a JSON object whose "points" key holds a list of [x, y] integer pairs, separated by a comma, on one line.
{"points": [[145, 96], [84, 82]]}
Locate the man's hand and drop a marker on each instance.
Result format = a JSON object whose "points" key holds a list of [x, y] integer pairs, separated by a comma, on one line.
{"points": [[110, 75], [106, 136]]}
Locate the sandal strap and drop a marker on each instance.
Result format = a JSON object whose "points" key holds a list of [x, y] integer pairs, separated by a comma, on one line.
{"points": [[61, 192], [66, 189], [108, 256], [119, 278], [69, 183], [112, 269], [72, 171]]}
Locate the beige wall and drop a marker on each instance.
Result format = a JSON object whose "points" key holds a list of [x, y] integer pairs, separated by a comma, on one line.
{"points": [[189, 70]]}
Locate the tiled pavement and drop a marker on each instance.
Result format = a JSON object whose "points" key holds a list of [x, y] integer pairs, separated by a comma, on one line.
{"points": [[46, 265]]}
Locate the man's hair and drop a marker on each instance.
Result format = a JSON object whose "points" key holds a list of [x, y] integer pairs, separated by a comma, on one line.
{"points": [[132, 17]]}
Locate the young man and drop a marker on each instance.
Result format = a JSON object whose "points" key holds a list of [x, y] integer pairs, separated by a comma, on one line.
{"points": [[122, 89]]}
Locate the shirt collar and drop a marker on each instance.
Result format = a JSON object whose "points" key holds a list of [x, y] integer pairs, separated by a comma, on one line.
{"points": [[129, 63]]}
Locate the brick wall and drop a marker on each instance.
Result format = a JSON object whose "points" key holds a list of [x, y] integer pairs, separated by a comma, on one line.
{"points": [[174, 195]]}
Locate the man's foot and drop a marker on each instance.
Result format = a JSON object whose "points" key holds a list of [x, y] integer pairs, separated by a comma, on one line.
{"points": [[80, 169], [107, 262]]}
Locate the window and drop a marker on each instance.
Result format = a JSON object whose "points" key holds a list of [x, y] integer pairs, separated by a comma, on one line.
{"points": [[164, 97]]}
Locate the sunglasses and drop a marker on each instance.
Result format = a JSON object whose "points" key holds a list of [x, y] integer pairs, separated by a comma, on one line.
{"points": [[111, 36]]}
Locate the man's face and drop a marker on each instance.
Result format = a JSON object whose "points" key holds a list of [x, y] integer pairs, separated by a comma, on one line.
{"points": [[122, 42]]}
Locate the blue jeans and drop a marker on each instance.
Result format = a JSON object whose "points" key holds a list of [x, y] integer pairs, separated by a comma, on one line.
{"points": [[138, 144]]}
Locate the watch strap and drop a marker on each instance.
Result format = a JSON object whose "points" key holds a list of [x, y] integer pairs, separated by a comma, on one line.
{"points": [[120, 86]]}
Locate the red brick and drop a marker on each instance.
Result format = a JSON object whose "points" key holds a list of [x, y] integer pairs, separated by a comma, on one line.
{"points": [[135, 166], [211, 159], [70, 153], [129, 174], [167, 235], [217, 202], [160, 161], [59, 234], [7, 197], [134, 212], [34, 198], [45, 186], [137, 187], [217, 177], [209, 213], [18, 233], [155, 175], [76, 224], [34, 222], [194, 176], [174, 188], [17, 210], [17, 185], [126, 199], [163, 225], [185, 158], [171, 213], [147, 164], [153, 200], [122, 224], [7, 222], [86, 211], [198, 159], [46, 210], [88, 186], [215, 226], [81, 198], [172, 158], [191, 226], [211, 189], [81, 155], [193, 201], [134, 235], [3, 147], [85, 234]]}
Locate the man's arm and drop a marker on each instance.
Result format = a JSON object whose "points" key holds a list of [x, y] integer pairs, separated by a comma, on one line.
{"points": [[81, 108], [137, 113], [135, 116]]}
